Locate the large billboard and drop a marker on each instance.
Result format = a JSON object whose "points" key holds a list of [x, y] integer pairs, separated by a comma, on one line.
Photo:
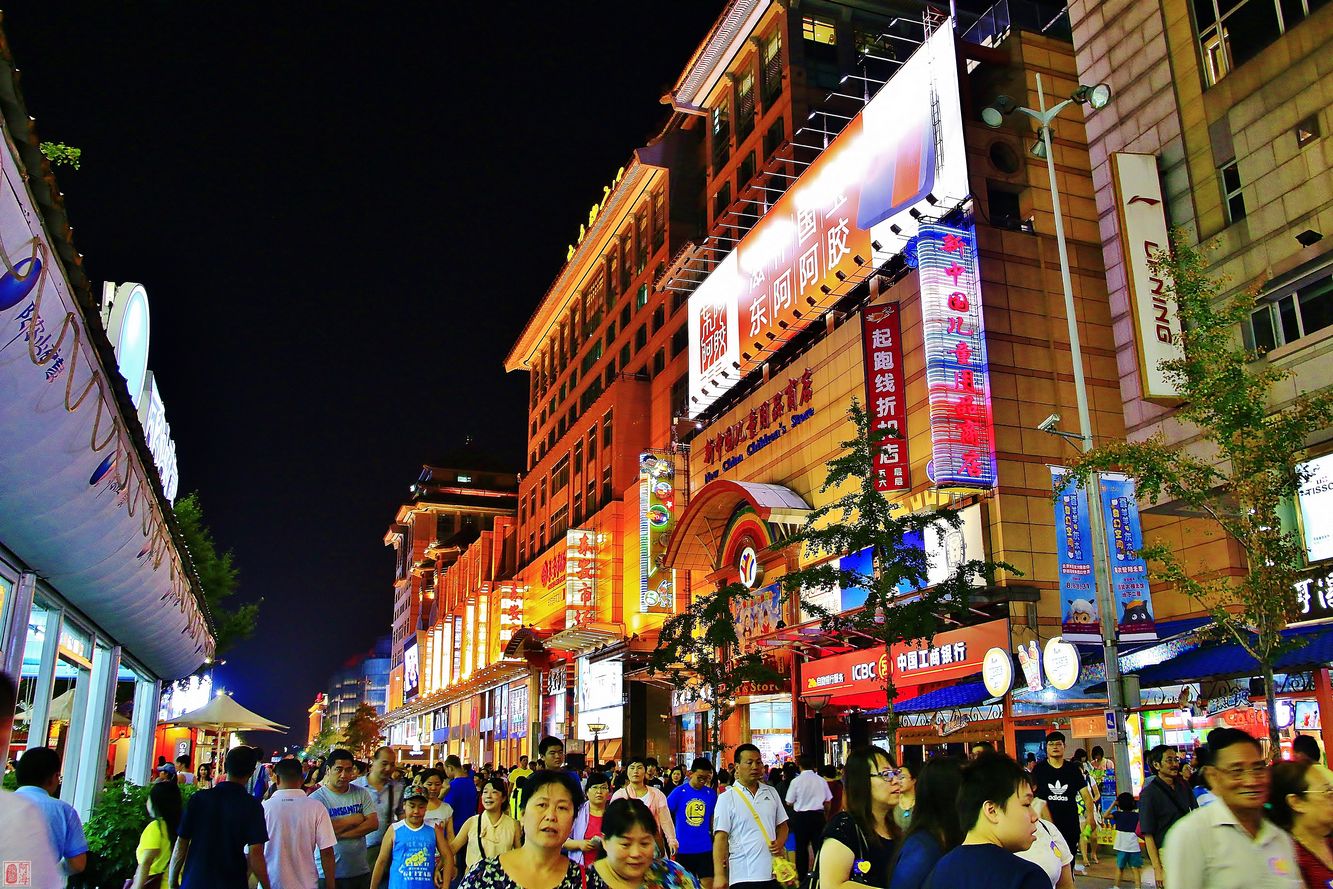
{"points": [[903, 153]]}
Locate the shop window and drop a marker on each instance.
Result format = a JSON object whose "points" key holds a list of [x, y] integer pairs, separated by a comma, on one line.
{"points": [[1292, 315], [1232, 195]]}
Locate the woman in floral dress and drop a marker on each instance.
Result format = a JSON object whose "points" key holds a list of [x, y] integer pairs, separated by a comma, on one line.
{"points": [[548, 807]]}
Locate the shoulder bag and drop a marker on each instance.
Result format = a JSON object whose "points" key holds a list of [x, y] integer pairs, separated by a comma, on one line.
{"points": [[812, 879], [783, 870]]}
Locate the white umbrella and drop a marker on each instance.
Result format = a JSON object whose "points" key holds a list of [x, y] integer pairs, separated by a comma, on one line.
{"points": [[62, 706], [222, 713]]}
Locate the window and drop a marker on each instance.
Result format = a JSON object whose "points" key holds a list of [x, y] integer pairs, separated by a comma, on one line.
{"points": [[680, 340], [745, 172], [594, 355], [610, 373], [592, 494], [659, 318], [1003, 206], [1231, 33], [640, 338], [744, 106], [821, 52], [559, 476], [680, 394], [641, 298], [606, 430], [659, 219], [817, 31], [607, 493], [578, 505], [721, 201], [678, 300], [772, 68], [1232, 195], [641, 240], [720, 129], [578, 458], [624, 356], [559, 521], [592, 443], [541, 489], [659, 362], [1293, 315], [774, 138], [610, 333]]}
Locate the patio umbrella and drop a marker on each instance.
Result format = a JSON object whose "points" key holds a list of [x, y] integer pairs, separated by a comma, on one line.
{"points": [[61, 708], [223, 715]]}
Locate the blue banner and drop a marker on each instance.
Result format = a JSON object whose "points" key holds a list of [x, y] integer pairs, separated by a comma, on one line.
{"points": [[1079, 619], [1129, 573]]}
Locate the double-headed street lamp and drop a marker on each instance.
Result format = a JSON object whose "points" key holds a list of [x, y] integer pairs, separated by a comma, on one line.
{"points": [[994, 115]]}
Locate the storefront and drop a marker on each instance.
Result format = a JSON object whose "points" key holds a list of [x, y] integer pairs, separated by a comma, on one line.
{"points": [[600, 693]]}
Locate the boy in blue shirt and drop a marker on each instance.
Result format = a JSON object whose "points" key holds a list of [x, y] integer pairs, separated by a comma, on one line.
{"points": [[691, 806], [413, 852]]}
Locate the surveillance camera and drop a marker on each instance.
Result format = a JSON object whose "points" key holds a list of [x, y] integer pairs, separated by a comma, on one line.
{"points": [[1049, 424]]}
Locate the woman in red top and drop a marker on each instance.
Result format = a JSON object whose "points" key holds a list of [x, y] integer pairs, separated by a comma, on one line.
{"points": [[1302, 803]]}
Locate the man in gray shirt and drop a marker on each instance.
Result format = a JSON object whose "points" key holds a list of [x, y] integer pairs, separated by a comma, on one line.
{"points": [[387, 793], [352, 810]]}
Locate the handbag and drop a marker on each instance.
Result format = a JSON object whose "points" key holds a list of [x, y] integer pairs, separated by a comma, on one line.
{"points": [[783, 870], [812, 878]]}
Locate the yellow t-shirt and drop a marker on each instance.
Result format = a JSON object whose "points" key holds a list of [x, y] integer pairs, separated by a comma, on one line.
{"points": [[154, 838]]}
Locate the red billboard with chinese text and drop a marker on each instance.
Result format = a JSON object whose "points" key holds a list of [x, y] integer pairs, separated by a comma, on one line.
{"points": [[886, 401]]}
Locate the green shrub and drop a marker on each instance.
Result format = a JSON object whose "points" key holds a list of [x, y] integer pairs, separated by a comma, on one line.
{"points": [[119, 815]]}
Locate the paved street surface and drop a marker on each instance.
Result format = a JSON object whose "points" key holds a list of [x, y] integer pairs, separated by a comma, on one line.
{"points": [[1102, 875]]}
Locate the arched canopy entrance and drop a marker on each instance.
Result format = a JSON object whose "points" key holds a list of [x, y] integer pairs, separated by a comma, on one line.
{"points": [[697, 541]]}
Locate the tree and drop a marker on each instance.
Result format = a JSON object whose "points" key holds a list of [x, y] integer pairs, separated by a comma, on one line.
{"points": [[326, 740], [364, 731], [217, 576], [700, 650], [60, 154], [898, 607], [1240, 473]]}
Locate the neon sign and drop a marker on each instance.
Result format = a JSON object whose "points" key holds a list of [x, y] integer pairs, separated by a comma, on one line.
{"points": [[580, 576], [957, 375], [657, 516], [594, 213], [510, 619], [886, 399]]}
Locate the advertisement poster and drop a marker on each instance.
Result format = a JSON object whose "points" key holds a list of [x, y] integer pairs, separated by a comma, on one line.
{"points": [[1315, 498], [1080, 620], [411, 670], [886, 403], [658, 510], [962, 436], [759, 616], [1129, 573]]}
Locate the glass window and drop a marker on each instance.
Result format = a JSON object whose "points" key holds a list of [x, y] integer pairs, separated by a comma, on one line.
{"points": [[659, 318], [592, 443], [659, 362], [721, 201], [1288, 317], [606, 430], [680, 340], [1232, 194], [659, 218], [641, 298], [817, 31], [640, 338]]}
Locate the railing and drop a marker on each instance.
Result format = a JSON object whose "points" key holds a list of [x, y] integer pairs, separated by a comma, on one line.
{"points": [[993, 25]]}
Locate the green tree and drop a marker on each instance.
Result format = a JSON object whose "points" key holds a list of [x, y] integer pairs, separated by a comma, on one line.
{"points": [[60, 154], [863, 517], [364, 731], [700, 651], [326, 740], [217, 576], [1240, 473]]}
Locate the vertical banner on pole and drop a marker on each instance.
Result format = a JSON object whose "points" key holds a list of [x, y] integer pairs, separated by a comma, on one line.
{"points": [[886, 402], [1080, 620], [1129, 572]]}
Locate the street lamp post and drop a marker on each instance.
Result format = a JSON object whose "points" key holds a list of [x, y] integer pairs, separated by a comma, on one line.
{"points": [[1097, 97], [596, 728]]}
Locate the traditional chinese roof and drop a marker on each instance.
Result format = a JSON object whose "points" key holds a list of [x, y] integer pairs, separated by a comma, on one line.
{"points": [[714, 55]]}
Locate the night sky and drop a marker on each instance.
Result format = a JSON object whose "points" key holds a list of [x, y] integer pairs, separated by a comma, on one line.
{"points": [[343, 214]]}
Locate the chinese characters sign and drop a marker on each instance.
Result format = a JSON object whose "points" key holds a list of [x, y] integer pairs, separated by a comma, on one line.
{"points": [[848, 212], [580, 576], [510, 618], [657, 516], [752, 432], [1129, 573], [1314, 596], [957, 377], [886, 402], [1080, 621]]}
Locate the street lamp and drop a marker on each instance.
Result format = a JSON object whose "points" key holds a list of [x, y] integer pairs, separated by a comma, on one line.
{"points": [[1096, 97], [596, 728]]}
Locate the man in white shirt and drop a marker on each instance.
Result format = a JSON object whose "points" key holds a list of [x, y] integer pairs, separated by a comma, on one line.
{"points": [[809, 797], [27, 857], [749, 828], [299, 828]]}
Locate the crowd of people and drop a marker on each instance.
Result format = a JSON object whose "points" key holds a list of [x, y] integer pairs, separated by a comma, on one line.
{"points": [[1225, 819]]}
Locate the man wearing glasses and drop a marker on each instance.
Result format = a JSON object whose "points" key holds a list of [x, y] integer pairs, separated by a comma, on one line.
{"points": [[1165, 800], [352, 810], [1230, 844]]}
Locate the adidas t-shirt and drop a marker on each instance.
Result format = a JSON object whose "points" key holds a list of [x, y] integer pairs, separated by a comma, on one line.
{"points": [[1060, 789]]}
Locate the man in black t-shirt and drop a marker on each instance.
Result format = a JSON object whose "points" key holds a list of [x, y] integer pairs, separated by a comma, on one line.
{"points": [[216, 829], [1059, 784]]}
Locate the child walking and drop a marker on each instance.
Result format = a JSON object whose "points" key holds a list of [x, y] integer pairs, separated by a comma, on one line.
{"points": [[1125, 817], [413, 852]]}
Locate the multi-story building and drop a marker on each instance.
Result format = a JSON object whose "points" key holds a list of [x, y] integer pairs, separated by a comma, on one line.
{"points": [[452, 540], [1218, 124], [362, 679], [316, 717]]}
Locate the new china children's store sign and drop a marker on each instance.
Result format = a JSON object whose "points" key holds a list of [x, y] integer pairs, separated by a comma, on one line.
{"points": [[766, 422], [904, 150], [957, 375]]}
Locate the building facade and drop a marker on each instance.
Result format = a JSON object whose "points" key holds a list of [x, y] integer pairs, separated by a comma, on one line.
{"points": [[363, 679]]}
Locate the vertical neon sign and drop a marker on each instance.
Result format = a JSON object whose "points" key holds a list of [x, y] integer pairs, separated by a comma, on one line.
{"points": [[580, 576], [886, 400], [657, 516], [957, 375]]}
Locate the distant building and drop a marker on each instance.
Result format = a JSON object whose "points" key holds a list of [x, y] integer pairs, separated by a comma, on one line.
{"points": [[362, 679]]}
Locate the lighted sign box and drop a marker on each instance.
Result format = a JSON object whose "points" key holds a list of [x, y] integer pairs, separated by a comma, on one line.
{"points": [[600, 697], [886, 395], [580, 576], [411, 670], [658, 511], [510, 617], [1316, 507], [903, 151]]}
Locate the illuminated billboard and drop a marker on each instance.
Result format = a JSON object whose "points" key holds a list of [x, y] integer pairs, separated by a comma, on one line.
{"points": [[886, 395], [657, 516], [411, 670], [510, 619], [957, 374], [903, 152], [580, 576]]}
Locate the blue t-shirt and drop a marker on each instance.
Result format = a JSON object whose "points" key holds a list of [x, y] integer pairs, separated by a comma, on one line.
{"points": [[986, 867], [692, 811], [921, 852], [462, 795], [62, 822], [414, 854], [220, 823], [1126, 821]]}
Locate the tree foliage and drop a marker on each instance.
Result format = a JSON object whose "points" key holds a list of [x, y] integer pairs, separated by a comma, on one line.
{"points": [[217, 576], [700, 651], [1241, 468], [863, 517], [364, 731], [62, 155], [327, 739]]}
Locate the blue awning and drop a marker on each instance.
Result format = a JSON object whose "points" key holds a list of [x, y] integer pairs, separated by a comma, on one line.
{"points": [[1315, 648], [964, 694]]}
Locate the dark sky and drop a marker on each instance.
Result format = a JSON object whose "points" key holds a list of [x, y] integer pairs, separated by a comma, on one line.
{"points": [[343, 214]]}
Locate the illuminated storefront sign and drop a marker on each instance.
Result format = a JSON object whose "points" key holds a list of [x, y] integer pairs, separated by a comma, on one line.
{"points": [[658, 511], [153, 416], [600, 697], [1138, 190], [886, 395], [126, 319], [470, 631], [904, 150], [510, 619], [957, 376], [1315, 499], [763, 425], [458, 647], [482, 639], [580, 576], [411, 670], [1314, 596]]}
